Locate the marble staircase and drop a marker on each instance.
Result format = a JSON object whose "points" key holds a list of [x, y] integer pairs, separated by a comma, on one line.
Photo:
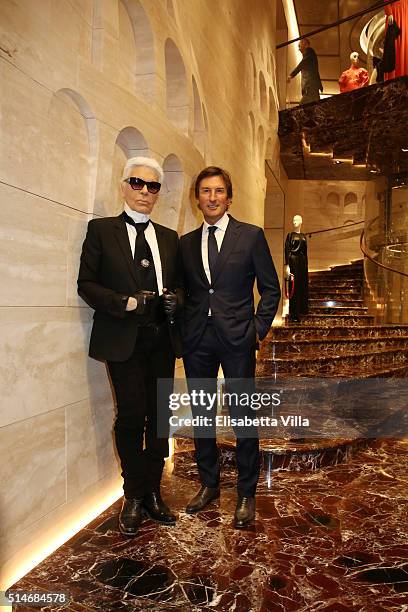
{"points": [[338, 337], [336, 341]]}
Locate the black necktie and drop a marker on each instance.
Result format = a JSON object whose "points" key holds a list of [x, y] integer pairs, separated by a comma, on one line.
{"points": [[212, 250], [145, 270]]}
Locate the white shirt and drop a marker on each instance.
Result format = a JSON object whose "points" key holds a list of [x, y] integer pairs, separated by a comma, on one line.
{"points": [[219, 234], [151, 238]]}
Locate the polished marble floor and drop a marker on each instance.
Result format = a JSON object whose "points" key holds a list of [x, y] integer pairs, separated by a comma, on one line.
{"points": [[331, 539]]}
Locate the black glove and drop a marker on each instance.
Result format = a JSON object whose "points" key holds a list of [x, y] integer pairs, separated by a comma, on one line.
{"points": [[170, 303], [143, 298]]}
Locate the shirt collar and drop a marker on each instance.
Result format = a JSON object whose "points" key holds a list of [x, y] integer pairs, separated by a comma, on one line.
{"points": [[136, 216], [221, 223]]}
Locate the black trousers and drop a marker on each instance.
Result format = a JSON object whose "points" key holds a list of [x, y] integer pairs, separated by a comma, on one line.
{"points": [[134, 381], [203, 363]]}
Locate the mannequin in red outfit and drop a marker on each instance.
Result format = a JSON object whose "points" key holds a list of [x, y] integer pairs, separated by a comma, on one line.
{"points": [[355, 77]]}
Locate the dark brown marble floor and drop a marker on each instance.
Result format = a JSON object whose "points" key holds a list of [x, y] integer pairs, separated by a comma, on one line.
{"points": [[333, 539]]}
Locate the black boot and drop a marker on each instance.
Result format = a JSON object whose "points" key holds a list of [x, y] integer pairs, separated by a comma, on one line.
{"points": [[130, 516], [244, 512], [202, 499], [157, 510]]}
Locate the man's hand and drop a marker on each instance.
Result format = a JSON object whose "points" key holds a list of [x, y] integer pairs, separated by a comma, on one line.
{"points": [[140, 301], [170, 303], [288, 80], [131, 304]]}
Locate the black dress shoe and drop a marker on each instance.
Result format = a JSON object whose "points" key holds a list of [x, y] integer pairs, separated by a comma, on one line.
{"points": [[130, 516], [244, 512], [157, 510], [202, 499]]}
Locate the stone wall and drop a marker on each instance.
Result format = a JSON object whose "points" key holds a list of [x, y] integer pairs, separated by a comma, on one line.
{"points": [[85, 84]]}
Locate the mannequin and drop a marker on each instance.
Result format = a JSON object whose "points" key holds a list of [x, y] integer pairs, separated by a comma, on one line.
{"points": [[355, 77], [296, 264], [391, 35]]}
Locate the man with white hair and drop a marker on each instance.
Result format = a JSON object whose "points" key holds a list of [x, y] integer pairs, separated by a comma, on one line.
{"points": [[130, 275]]}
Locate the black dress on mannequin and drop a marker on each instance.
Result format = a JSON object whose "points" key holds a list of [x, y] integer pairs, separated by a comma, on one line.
{"points": [[296, 259]]}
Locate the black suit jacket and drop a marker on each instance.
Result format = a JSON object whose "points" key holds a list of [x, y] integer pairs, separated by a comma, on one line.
{"points": [[244, 257], [309, 66], [107, 273]]}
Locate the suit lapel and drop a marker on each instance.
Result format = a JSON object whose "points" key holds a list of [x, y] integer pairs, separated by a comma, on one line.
{"points": [[122, 237], [197, 255], [162, 244], [230, 239]]}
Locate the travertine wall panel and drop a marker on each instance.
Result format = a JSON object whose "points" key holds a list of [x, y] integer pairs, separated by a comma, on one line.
{"points": [[45, 364], [35, 450], [32, 250], [89, 451]]}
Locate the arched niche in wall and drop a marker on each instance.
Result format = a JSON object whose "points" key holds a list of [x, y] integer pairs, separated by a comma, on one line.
{"points": [[251, 131], [176, 87], [168, 208], [136, 61], [130, 142], [273, 111], [261, 141], [71, 151], [254, 79], [269, 64], [272, 151], [333, 206], [207, 132], [198, 120], [263, 98], [351, 203]]}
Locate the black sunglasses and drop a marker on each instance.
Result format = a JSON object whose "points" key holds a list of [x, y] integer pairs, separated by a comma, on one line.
{"points": [[137, 184]]}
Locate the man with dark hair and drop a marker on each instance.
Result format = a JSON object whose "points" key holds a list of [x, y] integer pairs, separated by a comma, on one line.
{"points": [[221, 261], [309, 67], [130, 274]]}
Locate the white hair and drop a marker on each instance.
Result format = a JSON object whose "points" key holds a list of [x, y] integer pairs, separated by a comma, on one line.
{"points": [[143, 161]]}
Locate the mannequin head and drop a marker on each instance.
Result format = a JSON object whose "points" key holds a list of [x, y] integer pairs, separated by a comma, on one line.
{"points": [[297, 222], [354, 58]]}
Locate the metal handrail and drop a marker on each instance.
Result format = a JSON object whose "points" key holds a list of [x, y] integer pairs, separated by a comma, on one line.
{"points": [[377, 263], [378, 6], [330, 229]]}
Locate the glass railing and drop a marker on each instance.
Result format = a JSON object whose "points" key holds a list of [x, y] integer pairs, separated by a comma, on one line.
{"points": [[386, 273]]}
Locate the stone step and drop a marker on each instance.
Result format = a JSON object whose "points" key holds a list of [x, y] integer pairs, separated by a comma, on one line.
{"points": [[334, 319], [346, 275], [357, 265], [304, 332], [344, 365], [338, 310], [382, 371], [294, 455], [328, 346], [345, 302], [324, 285], [333, 294]]}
